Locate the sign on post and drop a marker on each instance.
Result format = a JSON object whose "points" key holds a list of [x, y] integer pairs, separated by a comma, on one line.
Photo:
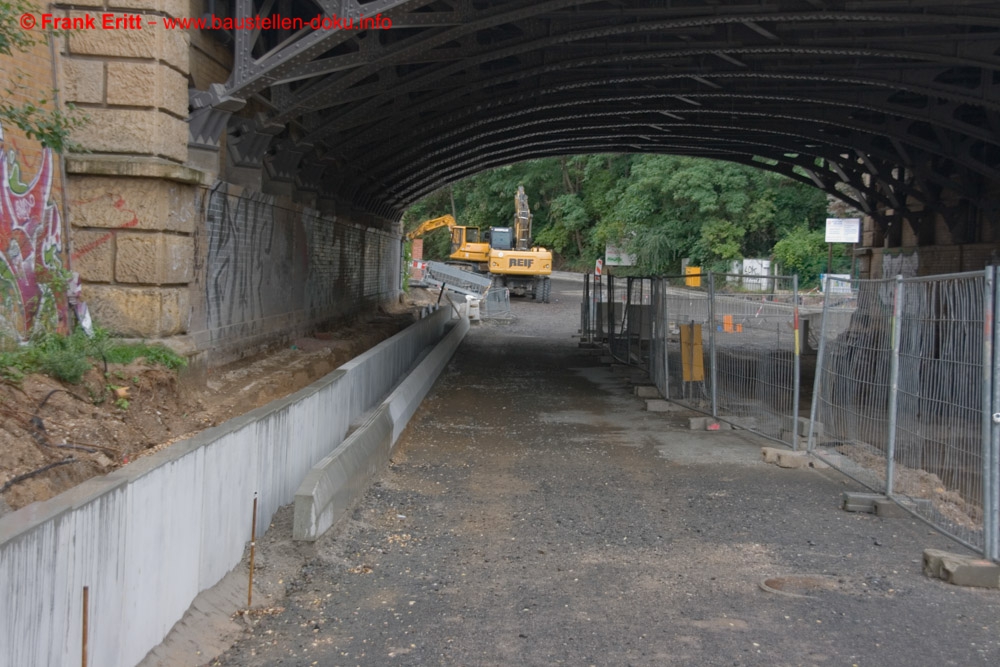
{"points": [[598, 266], [843, 230]]}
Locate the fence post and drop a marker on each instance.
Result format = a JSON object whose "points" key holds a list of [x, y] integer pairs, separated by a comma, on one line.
{"points": [[820, 360], [989, 378], [796, 364], [991, 465], [711, 343], [897, 314], [666, 337]]}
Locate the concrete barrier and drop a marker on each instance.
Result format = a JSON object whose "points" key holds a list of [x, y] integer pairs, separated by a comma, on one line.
{"points": [[149, 537], [334, 484]]}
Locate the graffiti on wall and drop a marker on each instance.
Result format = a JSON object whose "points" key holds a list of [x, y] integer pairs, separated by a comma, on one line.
{"points": [[33, 283], [900, 264], [254, 270], [268, 269]]}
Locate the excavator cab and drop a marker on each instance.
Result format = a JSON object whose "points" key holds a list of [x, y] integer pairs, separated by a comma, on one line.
{"points": [[460, 236], [501, 238]]}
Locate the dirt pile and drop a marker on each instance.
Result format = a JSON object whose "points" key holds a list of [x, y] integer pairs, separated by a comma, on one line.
{"points": [[54, 436]]}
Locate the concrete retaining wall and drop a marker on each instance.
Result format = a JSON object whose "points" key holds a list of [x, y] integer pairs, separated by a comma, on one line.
{"points": [[148, 538], [336, 482]]}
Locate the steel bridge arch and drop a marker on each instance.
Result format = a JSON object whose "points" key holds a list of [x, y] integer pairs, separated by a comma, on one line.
{"points": [[894, 108]]}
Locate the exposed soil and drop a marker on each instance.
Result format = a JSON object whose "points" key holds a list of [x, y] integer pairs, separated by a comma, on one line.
{"points": [[126, 411]]}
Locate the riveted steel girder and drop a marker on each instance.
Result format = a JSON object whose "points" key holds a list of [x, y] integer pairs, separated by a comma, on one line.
{"points": [[888, 103]]}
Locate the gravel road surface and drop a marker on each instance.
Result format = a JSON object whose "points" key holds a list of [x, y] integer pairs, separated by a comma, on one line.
{"points": [[536, 514]]}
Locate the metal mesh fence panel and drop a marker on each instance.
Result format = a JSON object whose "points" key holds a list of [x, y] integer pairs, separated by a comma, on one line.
{"points": [[496, 304], [906, 392], [938, 436], [899, 395], [683, 334], [630, 331], [756, 354], [852, 380]]}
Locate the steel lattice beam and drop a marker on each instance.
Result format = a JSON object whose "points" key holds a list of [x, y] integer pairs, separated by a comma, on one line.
{"points": [[384, 116]]}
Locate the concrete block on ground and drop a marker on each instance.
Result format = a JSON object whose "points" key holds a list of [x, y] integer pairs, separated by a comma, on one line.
{"points": [[770, 454], [784, 458], [707, 424], [787, 423], [786, 436], [961, 570], [853, 501], [899, 509], [607, 359], [887, 509], [660, 405], [647, 391], [789, 459]]}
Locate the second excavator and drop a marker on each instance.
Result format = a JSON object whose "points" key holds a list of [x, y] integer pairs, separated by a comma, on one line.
{"points": [[509, 256]]}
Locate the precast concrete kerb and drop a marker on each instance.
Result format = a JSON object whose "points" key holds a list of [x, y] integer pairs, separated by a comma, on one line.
{"points": [[334, 484]]}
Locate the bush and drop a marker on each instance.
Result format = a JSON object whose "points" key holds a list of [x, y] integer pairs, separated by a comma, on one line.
{"points": [[68, 358]]}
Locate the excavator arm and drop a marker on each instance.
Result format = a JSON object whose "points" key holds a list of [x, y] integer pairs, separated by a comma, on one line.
{"points": [[431, 225]]}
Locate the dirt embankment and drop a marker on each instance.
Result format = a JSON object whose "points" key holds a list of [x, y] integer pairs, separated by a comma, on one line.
{"points": [[54, 436]]}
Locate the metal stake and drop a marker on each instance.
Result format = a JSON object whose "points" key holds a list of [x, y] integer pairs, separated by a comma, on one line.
{"points": [[253, 545], [86, 623]]}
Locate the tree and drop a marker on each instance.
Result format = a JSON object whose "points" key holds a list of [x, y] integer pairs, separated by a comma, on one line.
{"points": [[803, 251], [663, 208], [51, 127]]}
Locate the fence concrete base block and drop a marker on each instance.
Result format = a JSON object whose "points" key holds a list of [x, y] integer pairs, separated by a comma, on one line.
{"points": [[607, 359], [853, 501], [889, 509], [707, 424], [786, 425], [786, 436], [787, 459], [901, 508], [784, 458], [660, 405], [770, 454], [647, 391], [961, 570]]}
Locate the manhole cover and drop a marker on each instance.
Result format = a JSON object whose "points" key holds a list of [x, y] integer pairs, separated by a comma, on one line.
{"points": [[800, 585]]}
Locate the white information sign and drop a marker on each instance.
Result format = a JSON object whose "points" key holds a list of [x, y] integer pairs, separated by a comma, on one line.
{"points": [[843, 230], [615, 257]]}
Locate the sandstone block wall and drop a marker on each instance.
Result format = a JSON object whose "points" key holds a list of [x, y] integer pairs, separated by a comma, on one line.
{"points": [[32, 205]]}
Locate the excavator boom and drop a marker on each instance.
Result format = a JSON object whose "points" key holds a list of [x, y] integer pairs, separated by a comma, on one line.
{"points": [[431, 225]]}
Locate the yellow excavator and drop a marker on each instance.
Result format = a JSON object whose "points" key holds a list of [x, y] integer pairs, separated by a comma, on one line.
{"points": [[467, 250], [507, 255], [514, 261]]}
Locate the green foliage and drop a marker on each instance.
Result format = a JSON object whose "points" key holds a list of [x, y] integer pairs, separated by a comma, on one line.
{"points": [[68, 358], [51, 127], [663, 208], [803, 251]]}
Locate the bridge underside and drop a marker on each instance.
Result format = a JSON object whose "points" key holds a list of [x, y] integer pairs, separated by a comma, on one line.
{"points": [[890, 105]]}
